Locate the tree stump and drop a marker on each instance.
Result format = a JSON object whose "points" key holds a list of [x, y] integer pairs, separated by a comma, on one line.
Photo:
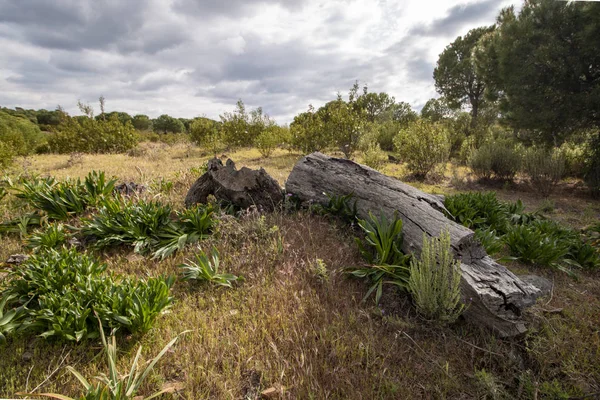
{"points": [[494, 295], [243, 188]]}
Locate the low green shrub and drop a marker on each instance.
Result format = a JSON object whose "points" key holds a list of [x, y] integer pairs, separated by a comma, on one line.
{"points": [[7, 155], [434, 282], [592, 169], [495, 159], [20, 135], [544, 169], [88, 135], [374, 157], [341, 206], [60, 290], [423, 146], [206, 269], [268, 140]]}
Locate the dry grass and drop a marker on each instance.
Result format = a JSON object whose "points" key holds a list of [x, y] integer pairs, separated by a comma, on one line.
{"points": [[287, 328]]}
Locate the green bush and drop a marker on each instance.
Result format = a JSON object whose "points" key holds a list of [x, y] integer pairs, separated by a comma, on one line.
{"points": [[575, 156], [207, 133], [268, 140], [7, 154], [495, 159], [544, 168], [19, 134], [61, 290], [434, 282], [424, 146], [308, 133], [165, 123], [87, 135], [141, 122], [340, 206]]}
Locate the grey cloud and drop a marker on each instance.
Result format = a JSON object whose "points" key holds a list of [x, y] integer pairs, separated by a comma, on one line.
{"points": [[230, 9], [458, 17]]}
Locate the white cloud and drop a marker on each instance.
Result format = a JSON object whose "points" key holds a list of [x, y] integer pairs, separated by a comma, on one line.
{"points": [[189, 57]]}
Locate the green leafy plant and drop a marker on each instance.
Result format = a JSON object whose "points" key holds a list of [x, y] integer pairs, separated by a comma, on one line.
{"points": [[116, 386], [532, 246], [53, 236], [60, 290], [8, 318], [206, 269], [147, 226], [381, 249], [489, 240], [341, 206], [435, 280], [495, 159]]}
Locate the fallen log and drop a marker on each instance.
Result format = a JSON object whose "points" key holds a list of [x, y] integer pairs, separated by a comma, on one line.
{"points": [[494, 295]]}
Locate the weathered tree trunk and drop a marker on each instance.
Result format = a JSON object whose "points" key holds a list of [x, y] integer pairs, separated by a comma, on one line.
{"points": [[243, 188], [495, 296]]}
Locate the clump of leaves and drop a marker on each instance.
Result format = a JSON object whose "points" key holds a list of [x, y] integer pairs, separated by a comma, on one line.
{"points": [[489, 240], [60, 200], [435, 280], [381, 249], [116, 386], [8, 318], [206, 268], [341, 206], [147, 226], [60, 290], [55, 235]]}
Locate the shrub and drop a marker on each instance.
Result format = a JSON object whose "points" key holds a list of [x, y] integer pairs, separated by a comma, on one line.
{"points": [[88, 135], [268, 140], [592, 170], [575, 156], [20, 134], [434, 281], [374, 157], [496, 159], [207, 270], [7, 154], [381, 249], [423, 145], [206, 132], [308, 133], [544, 169], [62, 289]]}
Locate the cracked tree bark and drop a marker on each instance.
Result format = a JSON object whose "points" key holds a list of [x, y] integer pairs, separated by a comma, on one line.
{"points": [[494, 295]]}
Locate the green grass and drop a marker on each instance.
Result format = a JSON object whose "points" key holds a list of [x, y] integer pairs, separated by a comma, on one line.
{"points": [[285, 328]]}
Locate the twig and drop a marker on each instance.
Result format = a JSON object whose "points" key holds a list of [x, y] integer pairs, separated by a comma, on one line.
{"points": [[480, 348], [551, 292], [55, 371]]}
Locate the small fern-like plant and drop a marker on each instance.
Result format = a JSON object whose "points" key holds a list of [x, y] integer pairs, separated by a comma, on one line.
{"points": [[206, 269], [434, 281]]}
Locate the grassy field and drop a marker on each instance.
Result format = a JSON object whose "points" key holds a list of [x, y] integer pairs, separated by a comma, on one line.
{"points": [[307, 334]]}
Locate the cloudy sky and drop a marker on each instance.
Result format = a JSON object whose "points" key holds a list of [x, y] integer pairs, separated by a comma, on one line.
{"points": [[197, 57]]}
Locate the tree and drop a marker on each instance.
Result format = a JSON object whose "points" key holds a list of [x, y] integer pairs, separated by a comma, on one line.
{"points": [[544, 66], [166, 123], [436, 110], [19, 134], [343, 124], [455, 75], [372, 105], [141, 122]]}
